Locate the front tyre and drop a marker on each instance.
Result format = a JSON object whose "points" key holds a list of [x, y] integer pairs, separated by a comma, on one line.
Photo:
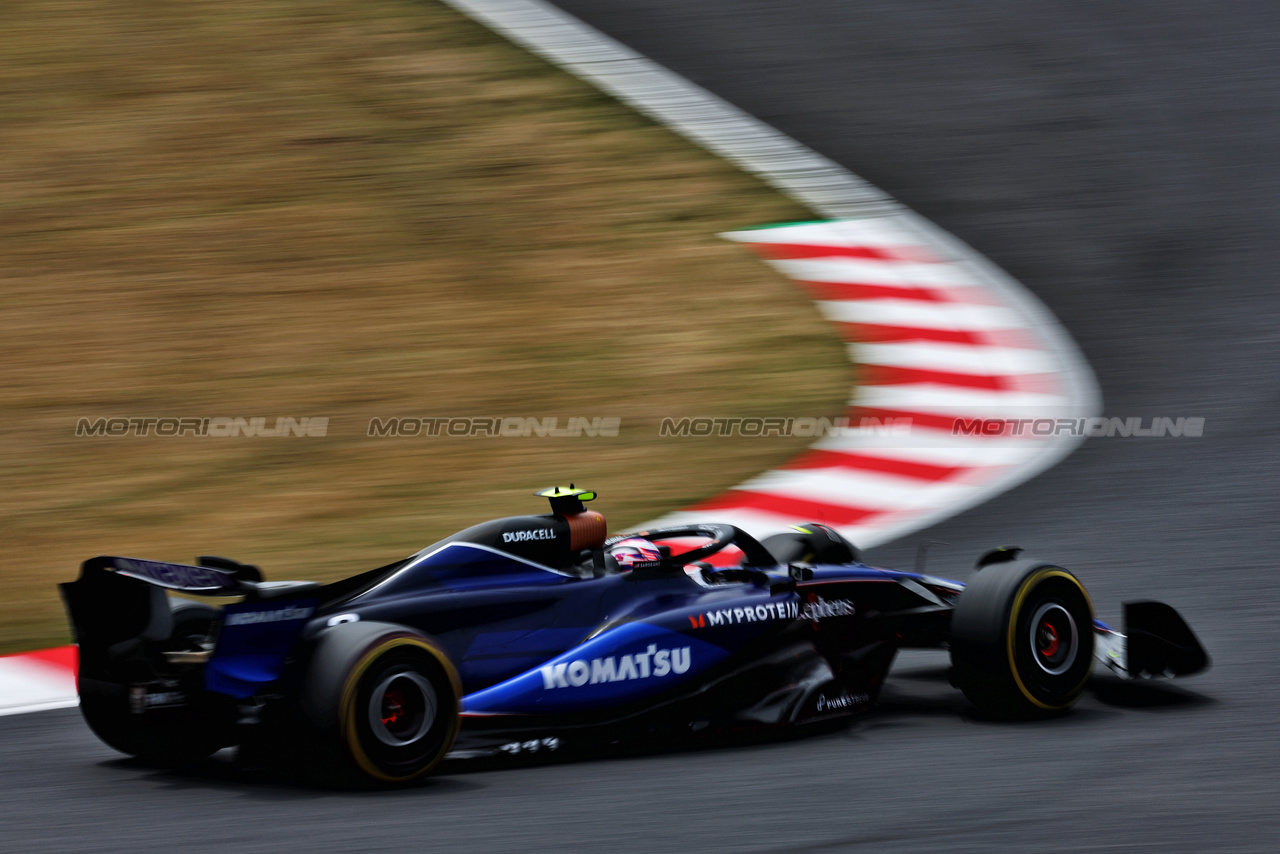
{"points": [[1022, 639]]}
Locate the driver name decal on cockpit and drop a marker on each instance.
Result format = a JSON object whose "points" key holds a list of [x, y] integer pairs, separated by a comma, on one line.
{"points": [[526, 536], [653, 662]]}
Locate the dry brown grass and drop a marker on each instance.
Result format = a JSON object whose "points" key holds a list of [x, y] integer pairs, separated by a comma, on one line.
{"points": [[352, 208]]}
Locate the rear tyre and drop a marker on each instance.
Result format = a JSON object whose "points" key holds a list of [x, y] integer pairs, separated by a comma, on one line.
{"points": [[379, 704], [1022, 639], [399, 711], [164, 736], [169, 742]]}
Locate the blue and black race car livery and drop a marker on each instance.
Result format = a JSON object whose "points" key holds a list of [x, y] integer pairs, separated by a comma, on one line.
{"points": [[529, 633]]}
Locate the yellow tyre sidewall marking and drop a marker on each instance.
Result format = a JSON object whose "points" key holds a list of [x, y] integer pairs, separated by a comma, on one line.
{"points": [[1036, 578], [348, 714]]}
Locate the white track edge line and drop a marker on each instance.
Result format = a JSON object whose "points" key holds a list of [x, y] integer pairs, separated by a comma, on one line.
{"points": [[806, 176]]}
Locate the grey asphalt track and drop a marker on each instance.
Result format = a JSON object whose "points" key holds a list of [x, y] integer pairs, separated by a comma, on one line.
{"points": [[1117, 158]]}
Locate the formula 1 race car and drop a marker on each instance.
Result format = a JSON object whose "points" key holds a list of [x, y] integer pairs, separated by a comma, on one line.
{"points": [[530, 633]]}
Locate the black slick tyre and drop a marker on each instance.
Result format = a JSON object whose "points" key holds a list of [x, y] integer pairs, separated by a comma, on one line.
{"points": [[166, 736], [387, 701], [1022, 639]]}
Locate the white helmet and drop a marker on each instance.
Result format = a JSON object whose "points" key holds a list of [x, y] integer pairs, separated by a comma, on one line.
{"points": [[635, 552]]}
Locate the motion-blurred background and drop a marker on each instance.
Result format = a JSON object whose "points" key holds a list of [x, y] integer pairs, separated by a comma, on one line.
{"points": [[353, 210], [370, 209]]}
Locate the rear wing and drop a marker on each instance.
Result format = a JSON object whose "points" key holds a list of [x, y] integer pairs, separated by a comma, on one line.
{"points": [[119, 605], [199, 580], [215, 576]]}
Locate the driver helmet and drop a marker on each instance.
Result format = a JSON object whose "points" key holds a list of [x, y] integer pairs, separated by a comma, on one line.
{"points": [[635, 552]]}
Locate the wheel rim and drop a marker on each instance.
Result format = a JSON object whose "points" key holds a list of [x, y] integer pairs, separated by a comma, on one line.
{"points": [[1054, 638], [402, 708]]}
